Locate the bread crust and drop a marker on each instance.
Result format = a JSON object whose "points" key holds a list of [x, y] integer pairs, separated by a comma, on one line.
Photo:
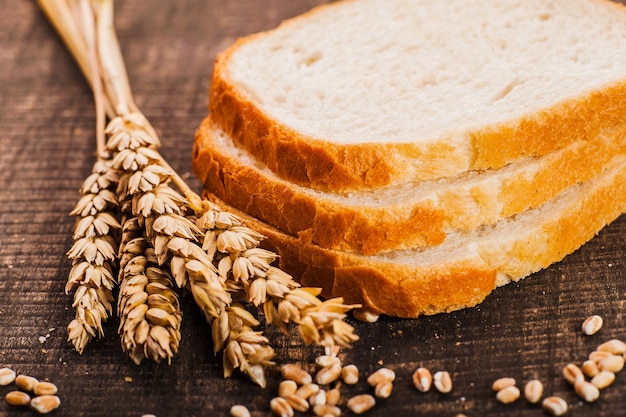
{"points": [[409, 224], [324, 165], [404, 289]]}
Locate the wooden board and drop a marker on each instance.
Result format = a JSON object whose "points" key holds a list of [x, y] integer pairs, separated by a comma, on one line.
{"points": [[525, 330]]}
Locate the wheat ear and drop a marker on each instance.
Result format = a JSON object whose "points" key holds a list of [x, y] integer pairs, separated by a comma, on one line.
{"points": [[148, 306], [282, 299], [160, 213], [93, 255], [207, 251]]}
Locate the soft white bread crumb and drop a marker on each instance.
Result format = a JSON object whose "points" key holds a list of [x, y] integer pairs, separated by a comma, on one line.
{"points": [[422, 70], [366, 93]]}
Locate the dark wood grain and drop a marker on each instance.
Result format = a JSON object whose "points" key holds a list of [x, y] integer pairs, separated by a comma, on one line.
{"points": [[525, 330]]}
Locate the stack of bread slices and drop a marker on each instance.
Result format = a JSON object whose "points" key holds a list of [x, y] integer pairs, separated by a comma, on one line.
{"points": [[413, 155]]}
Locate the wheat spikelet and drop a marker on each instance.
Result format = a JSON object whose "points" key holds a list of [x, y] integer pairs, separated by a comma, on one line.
{"points": [[244, 348]]}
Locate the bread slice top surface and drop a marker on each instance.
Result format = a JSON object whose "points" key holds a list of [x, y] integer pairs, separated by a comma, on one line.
{"points": [[383, 71]]}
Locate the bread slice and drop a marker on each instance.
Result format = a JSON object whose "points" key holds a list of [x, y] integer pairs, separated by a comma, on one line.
{"points": [[396, 217], [463, 270], [368, 93]]}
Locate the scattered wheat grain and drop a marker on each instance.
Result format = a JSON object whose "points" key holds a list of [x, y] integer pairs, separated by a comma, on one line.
{"points": [[318, 399], [328, 374], [281, 407], [598, 355], [422, 379], [359, 404], [333, 396], [381, 375], [383, 389], [45, 404], [307, 390], [592, 325], [7, 376], [326, 410], [614, 346], [297, 402], [17, 398], [501, 383], [612, 363], [25, 382], [239, 411], [442, 381], [350, 374], [587, 391], [295, 373], [508, 394], [590, 368], [572, 373], [327, 360], [555, 405], [533, 391], [365, 316], [45, 388], [287, 387], [603, 379]]}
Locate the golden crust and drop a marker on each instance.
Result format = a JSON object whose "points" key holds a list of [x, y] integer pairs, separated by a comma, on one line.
{"points": [[409, 224], [324, 165], [406, 289], [381, 288]]}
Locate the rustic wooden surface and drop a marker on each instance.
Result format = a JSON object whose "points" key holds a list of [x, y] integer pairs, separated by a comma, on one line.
{"points": [[526, 330]]}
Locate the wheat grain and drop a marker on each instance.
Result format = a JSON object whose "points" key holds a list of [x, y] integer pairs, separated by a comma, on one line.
{"points": [[533, 391], [45, 388], [17, 398], [333, 396], [555, 405], [350, 374], [359, 404], [239, 411], [7, 376], [45, 404]]}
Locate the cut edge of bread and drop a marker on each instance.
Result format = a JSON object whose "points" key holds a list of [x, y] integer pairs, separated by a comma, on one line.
{"points": [[461, 272], [423, 217]]}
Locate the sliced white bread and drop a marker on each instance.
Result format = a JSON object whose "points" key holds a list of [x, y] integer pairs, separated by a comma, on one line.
{"points": [[396, 217], [367, 93], [463, 270]]}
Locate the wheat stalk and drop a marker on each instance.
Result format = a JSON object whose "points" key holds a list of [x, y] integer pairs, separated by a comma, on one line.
{"points": [[93, 253], [207, 251]]}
